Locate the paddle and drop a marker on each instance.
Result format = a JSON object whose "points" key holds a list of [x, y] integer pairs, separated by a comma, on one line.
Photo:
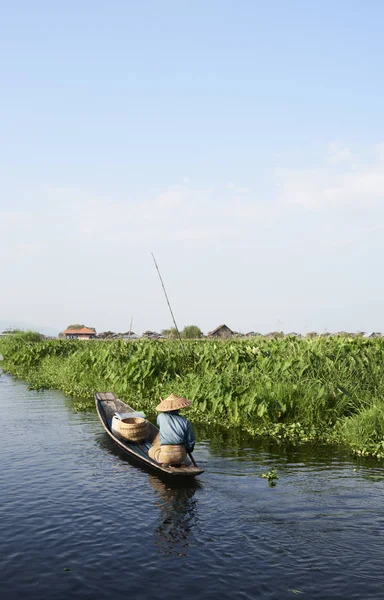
{"points": [[192, 459]]}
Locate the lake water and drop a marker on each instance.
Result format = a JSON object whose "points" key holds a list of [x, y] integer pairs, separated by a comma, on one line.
{"points": [[78, 520]]}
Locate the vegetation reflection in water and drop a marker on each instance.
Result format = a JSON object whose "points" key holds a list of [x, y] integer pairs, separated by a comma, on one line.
{"points": [[328, 389]]}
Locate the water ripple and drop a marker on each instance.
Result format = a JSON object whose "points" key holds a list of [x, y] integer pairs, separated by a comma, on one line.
{"points": [[78, 520]]}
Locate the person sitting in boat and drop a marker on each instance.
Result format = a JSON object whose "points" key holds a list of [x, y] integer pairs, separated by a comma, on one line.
{"points": [[176, 437]]}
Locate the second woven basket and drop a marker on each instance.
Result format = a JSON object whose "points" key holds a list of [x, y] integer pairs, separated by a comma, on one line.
{"points": [[134, 429]]}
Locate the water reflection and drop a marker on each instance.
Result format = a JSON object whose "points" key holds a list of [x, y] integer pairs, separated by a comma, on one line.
{"points": [[175, 499], [178, 515], [242, 447]]}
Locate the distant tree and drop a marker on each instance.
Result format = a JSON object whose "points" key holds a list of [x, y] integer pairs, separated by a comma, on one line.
{"points": [[32, 336], [79, 326], [169, 333], [28, 336], [192, 332]]}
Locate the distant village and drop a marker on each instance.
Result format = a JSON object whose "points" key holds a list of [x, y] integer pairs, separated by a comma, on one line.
{"points": [[220, 332], [81, 332]]}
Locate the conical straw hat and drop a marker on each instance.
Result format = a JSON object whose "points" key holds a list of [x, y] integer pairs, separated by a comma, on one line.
{"points": [[173, 402]]}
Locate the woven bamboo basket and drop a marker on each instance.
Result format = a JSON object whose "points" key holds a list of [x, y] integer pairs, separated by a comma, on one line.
{"points": [[134, 429], [172, 455]]}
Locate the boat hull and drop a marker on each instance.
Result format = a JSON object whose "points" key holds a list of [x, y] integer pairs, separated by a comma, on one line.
{"points": [[107, 404]]}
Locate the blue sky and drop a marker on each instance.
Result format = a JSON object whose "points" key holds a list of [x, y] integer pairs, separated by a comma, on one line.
{"points": [[241, 142]]}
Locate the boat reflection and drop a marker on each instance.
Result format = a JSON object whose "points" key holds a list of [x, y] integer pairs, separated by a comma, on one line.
{"points": [[178, 515]]}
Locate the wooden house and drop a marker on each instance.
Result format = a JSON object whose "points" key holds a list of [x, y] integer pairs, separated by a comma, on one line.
{"points": [[222, 331]]}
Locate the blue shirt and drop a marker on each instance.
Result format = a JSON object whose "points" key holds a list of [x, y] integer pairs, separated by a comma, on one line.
{"points": [[175, 429]]}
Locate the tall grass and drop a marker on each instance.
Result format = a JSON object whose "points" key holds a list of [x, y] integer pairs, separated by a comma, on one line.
{"points": [[327, 388]]}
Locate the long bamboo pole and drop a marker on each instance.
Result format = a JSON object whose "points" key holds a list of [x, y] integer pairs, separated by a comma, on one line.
{"points": [[130, 329], [177, 329], [169, 305]]}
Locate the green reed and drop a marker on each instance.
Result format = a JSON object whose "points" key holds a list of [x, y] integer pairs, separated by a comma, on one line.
{"points": [[320, 388]]}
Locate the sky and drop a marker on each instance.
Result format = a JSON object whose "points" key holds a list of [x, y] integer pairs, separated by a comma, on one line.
{"points": [[240, 142]]}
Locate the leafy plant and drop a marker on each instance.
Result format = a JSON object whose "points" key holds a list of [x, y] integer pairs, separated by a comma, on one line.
{"points": [[272, 477], [327, 389]]}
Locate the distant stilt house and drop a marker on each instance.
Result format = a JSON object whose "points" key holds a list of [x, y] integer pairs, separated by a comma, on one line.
{"points": [[130, 335], [127, 335], [221, 332], [152, 335], [106, 335], [274, 334], [84, 333], [294, 334], [375, 334]]}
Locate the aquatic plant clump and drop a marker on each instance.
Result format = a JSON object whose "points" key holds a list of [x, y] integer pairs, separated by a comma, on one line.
{"points": [[329, 389], [272, 477]]}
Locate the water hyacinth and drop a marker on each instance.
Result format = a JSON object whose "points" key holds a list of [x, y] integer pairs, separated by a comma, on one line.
{"points": [[317, 388]]}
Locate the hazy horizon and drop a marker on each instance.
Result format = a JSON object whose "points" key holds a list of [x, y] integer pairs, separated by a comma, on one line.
{"points": [[54, 331], [241, 143]]}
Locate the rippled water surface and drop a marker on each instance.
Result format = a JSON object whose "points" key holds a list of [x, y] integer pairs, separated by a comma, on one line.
{"points": [[78, 520]]}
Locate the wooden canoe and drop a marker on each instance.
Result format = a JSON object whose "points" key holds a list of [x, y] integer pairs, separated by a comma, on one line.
{"points": [[107, 404]]}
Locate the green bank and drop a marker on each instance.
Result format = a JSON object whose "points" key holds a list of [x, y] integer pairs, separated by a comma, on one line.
{"points": [[326, 389]]}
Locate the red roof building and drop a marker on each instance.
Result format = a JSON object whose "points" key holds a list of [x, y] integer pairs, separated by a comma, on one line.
{"points": [[85, 333]]}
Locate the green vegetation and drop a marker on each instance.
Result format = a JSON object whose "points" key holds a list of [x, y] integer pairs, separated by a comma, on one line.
{"points": [[190, 332], [25, 336], [12, 331], [76, 326], [327, 389], [169, 333], [272, 477]]}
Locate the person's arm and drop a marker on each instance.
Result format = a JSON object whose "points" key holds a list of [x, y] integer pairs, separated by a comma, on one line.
{"points": [[189, 439], [160, 424]]}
